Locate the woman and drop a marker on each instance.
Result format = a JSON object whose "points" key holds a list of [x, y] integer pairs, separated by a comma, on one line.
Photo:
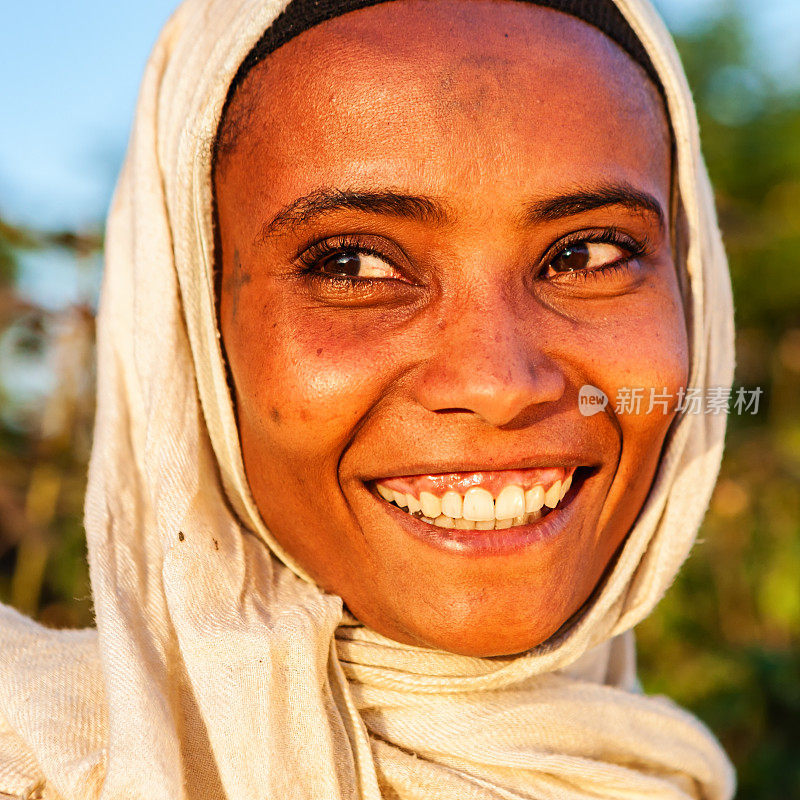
{"points": [[350, 533]]}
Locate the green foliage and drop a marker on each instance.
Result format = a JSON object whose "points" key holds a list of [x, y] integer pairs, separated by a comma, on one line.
{"points": [[725, 641], [44, 445]]}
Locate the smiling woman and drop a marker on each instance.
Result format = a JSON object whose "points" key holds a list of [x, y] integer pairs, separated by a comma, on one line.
{"points": [[430, 304], [351, 535]]}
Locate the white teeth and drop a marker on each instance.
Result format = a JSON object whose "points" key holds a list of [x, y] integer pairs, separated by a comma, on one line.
{"points": [[386, 494], [510, 503], [553, 495], [431, 504], [478, 505], [534, 499], [477, 509], [452, 504]]}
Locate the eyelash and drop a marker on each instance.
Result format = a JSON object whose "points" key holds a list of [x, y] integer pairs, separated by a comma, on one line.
{"points": [[311, 258], [635, 251]]}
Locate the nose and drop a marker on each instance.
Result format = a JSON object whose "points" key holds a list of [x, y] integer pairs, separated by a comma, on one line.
{"points": [[487, 359]]}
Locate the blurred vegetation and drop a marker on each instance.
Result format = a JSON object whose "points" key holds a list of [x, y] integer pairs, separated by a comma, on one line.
{"points": [[46, 410], [725, 642]]}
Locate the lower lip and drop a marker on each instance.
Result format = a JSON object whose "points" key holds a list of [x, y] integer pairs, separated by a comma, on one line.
{"points": [[507, 541]]}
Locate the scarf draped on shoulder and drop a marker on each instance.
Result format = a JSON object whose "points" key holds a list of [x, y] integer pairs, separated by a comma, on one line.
{"points": [[218, 669]]}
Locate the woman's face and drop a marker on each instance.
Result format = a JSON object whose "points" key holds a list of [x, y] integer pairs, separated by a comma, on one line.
{"points": [[438, 221]]}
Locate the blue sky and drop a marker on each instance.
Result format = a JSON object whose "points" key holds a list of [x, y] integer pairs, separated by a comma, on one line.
{"points": [[71, 72]]}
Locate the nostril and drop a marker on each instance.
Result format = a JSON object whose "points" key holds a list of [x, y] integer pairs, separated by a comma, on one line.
{"points": [[453, 411]]}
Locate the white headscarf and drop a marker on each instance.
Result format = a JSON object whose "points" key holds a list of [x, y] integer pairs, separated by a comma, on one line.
{"points": [[217, 669]]}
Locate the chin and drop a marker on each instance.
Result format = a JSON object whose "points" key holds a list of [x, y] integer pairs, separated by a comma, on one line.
{"points": [[480, 626]]}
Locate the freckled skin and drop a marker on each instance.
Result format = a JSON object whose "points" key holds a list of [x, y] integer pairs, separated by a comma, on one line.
{"points": [[470, 354]]}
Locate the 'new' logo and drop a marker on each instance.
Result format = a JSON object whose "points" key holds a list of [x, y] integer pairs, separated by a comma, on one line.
{"points": [[591, 400]]}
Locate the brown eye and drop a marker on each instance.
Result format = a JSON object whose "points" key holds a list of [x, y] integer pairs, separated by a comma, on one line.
{"points": [[576, 256], [586, 255], [357, 265]]}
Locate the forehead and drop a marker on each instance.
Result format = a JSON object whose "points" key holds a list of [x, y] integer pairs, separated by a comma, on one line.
{"points": [[449, 97]]}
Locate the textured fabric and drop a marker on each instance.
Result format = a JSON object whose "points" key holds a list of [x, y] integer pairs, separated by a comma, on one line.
{"points": [[217, 669]]}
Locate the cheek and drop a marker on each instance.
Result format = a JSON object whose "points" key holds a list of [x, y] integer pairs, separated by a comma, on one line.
{"points": [[299, 369], [641, 364], [650, 373], [640, 355]]}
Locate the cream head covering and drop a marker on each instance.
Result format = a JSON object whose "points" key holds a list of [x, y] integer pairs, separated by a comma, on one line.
{"points": [[217, 669]]}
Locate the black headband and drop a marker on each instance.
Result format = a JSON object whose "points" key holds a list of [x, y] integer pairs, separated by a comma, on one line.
{"points": [[300, 15]]}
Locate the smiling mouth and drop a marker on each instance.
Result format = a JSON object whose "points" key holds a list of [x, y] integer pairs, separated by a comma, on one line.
{"points": [[479, 501]]}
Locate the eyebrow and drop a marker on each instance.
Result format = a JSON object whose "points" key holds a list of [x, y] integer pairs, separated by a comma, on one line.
{"points": [[554, 208], [432, 210], [429, 210]]}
